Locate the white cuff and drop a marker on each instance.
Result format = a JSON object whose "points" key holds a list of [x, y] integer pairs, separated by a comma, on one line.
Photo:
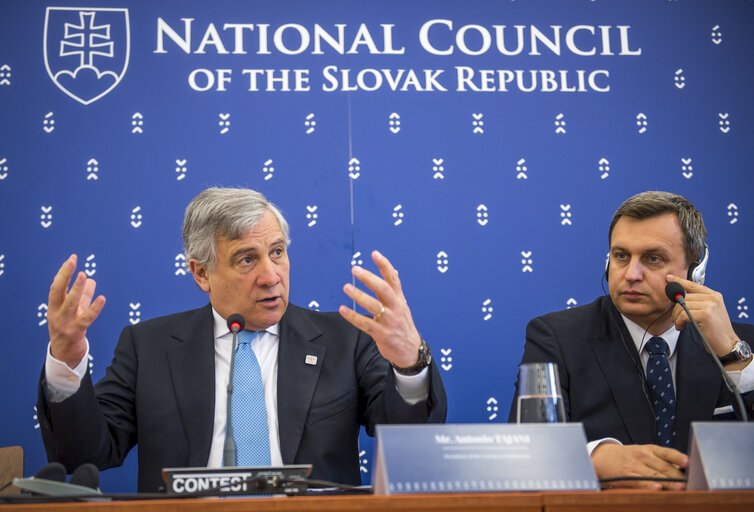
{"points": [[743, 379], [591, 445], [413, 388], [62, 381]]}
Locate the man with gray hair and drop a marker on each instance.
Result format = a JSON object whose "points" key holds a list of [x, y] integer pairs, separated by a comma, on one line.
{"points": [[313, 377], [632, 369]]}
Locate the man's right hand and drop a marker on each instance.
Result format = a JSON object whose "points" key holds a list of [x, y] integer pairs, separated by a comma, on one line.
{"points": [[649, 460], [70, 313]]}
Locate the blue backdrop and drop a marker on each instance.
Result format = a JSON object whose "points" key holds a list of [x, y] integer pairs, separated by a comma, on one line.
{"points": [[482, 146]]}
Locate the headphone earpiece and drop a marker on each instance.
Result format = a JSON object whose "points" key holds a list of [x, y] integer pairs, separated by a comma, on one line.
{"points": [[697, 271]]}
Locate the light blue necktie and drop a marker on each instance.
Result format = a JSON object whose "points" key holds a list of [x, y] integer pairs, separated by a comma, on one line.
{"points": [[660, 383], [248, 411]]}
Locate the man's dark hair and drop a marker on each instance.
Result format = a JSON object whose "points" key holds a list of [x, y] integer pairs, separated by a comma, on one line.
{"points": [[654, 203]]}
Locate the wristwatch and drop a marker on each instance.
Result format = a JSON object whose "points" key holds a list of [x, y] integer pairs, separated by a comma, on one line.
{"points": [[741, 352], [425, 357]]}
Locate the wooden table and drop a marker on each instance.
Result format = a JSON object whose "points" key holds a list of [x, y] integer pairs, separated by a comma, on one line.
{"points": [[645, 501], [618, 500]]}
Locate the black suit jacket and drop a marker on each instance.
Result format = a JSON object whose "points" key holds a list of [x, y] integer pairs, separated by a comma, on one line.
{"points": [[603, 381], [159, 393]]}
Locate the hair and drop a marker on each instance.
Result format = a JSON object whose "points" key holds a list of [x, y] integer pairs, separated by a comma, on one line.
{"points": [[654, 203], [223, 212]]}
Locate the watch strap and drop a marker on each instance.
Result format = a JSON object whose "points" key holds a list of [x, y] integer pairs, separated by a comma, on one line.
{"points": [[741, 352], [425, 358]]}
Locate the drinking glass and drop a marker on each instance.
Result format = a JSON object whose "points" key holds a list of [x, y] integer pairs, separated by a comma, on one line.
{"points": [[540, 399]]}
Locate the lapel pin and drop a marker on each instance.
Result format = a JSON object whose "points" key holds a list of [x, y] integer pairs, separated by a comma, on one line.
{"points": [[312, 360]]}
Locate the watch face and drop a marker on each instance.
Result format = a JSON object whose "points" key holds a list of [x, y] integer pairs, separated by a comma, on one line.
{"points": [[744, 350]]}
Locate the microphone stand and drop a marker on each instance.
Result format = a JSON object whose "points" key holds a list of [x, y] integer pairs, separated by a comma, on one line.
{"points": [[229, 448]]}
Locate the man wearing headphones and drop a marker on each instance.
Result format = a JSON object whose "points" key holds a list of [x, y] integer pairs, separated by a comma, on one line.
{"points": [[632, 369]]}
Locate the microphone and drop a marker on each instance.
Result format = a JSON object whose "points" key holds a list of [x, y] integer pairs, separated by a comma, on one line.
{"points": [[86, 475], [54, 471], [50, 481], [677, 294], [51, 473], [236, 323]]}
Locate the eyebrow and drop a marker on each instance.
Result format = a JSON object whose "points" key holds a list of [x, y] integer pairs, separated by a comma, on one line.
{"points": [[243, 250], [653, 249]]}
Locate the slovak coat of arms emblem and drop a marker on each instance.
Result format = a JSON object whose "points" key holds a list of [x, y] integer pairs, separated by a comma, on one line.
{"points": [[86, 50]]}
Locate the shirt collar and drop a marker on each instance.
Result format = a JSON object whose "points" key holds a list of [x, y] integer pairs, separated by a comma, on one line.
{"points": [[221, 326], [640, 336]]}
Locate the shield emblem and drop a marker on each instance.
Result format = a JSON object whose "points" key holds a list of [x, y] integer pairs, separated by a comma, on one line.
{"points": [[86, 50]]}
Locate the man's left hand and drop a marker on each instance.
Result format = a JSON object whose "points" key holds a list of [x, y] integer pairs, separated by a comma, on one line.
{"points": [[391, 325], [708, 309]]}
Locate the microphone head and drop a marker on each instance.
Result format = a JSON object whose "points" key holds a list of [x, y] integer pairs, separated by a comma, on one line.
{"points": [[675, 292], [86, 475], [54, 471], [236, 322]]}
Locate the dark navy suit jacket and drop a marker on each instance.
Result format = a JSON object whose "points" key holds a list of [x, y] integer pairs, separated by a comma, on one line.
{"points": [[603, 381], [159, 394]]}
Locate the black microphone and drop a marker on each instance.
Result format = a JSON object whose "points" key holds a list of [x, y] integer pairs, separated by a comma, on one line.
{"points": [[54, 471], [677, 294], [50, 481], [86, 475], [236, 323]]}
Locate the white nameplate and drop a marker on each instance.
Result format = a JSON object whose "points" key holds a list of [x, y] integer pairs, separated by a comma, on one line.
{"points": [[482, 458], [721, 455]]}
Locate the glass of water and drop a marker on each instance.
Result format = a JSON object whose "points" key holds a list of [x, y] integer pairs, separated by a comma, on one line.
{"points": [[540, 399]]}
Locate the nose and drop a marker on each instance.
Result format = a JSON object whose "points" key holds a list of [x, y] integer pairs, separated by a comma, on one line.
{"points": [[267, 272], [634, 270]]}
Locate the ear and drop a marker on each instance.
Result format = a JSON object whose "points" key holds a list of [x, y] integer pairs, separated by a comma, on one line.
{"points": [[200, 273]]}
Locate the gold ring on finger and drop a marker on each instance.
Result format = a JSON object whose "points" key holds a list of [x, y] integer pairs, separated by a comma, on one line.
{"points": [[378, 315]]}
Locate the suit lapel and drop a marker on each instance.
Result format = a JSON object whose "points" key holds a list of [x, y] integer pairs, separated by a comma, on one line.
{"points": [[191, 359], [619, 361], [697, 388], [297, 377]]}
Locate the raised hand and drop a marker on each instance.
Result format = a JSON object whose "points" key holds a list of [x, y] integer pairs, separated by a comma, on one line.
{"points": [[70, 313], [391, 325]]}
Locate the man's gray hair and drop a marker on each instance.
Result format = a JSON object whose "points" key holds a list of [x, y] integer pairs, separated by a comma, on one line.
{"points": [[223, 212], [654, 203]]}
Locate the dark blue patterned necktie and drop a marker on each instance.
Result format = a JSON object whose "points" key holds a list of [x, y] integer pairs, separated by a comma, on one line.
{"points": [[661, 392], [248, 411]]}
